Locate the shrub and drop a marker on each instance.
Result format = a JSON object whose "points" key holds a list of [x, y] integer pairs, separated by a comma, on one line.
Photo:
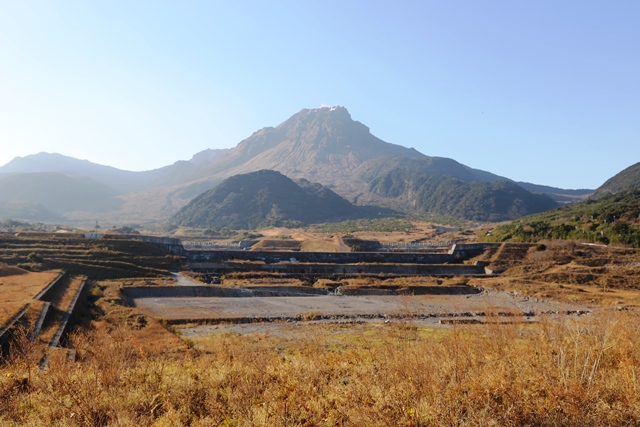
{"points": [[34, 257]]}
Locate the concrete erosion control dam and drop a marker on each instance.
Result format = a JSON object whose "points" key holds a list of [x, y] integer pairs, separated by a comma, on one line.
{"points": [[328, 264]]}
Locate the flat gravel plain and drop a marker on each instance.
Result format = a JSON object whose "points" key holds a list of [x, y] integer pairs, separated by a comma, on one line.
{"points": [[425, 308]]}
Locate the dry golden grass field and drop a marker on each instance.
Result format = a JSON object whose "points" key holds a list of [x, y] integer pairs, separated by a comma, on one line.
{"points": [[569, 371], [557, 370]]}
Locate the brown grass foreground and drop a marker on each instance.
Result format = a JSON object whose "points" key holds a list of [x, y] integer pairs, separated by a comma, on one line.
{"points": [[572, 371]]}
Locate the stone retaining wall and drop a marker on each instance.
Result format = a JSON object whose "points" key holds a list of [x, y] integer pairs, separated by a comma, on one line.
{"points": [[332, 270], [132, 293]]}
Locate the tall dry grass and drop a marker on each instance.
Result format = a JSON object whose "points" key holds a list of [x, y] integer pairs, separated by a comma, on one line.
{"points": [[567, 371]]}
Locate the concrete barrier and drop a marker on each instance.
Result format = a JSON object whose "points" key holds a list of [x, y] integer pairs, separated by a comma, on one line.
{"points": [[63, 325], [132, 293], [331, 270], [6, 331], [42, 295], [40, 322], [458, 253]]}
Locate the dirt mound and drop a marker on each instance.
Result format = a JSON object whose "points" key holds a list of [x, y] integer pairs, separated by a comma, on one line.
{"points": [[7, 270]]}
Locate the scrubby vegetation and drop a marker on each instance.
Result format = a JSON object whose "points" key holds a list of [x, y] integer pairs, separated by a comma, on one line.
{"points": [[612, 219], [383, 225], [624, 180], [260, 199], [457, 198]]}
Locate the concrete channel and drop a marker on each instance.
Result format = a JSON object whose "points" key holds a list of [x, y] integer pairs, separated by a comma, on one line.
{"points": [[63, 325], [43, 295], [6, 333], [38, 328], [55, 341]]}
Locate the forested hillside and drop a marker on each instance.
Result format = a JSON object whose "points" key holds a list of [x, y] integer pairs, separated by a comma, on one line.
{"points": [[611, 219], [263, 198], [452, 197]]}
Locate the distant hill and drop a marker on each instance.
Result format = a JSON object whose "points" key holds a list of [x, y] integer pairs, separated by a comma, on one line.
{"points": [[625, 180], [263, 198], [610, 219], [450, 196], [120, 181], [27, 211], [56, 192], [558, 195]]}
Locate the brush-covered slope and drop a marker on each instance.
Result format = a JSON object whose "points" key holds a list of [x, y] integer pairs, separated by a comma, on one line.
{"points": [[442, 166], [560, 195], [611, 219], [625, 180], [453, 197], [263, 198]]}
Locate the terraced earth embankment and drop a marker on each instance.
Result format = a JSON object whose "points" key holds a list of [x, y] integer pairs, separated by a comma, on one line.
{"points": [[43, 323], [104, 258], [39, 305]]}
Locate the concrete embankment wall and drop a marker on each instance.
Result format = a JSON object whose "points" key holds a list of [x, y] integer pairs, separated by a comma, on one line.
{"points": [[7, 330], [133, 293], [169, 244], [458, 253], [410, 290], [329, 270], [40, 322], [46, 293], [67, 316], [272, 257]]}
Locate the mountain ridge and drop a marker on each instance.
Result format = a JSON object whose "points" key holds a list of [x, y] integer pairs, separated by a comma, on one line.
{"points": [[626, 179], [323, 145]]}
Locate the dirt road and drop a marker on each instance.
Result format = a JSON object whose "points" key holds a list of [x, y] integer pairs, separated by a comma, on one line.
{"points": [[181, 280]]}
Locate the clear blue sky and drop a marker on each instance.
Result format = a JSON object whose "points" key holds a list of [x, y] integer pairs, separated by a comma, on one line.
{"points": [[540, 91]]}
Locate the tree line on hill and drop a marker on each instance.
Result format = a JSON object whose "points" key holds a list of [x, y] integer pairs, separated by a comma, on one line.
{"points": [[611, 219]]}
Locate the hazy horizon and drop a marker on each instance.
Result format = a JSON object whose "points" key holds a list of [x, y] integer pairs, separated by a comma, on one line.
{"points": [[544, 93]]}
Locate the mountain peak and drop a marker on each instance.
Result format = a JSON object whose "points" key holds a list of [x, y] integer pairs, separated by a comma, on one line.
{"points": [[335, 113], [330, 118], [336, 110], [322, 144]]}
